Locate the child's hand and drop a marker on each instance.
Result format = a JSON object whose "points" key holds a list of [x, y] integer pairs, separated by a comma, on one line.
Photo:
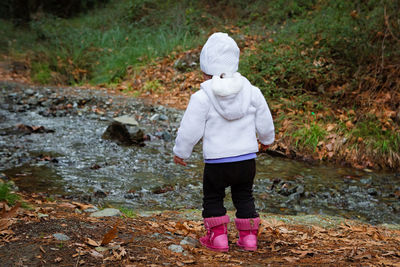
{"points": [[179, 161], [263, 148]]}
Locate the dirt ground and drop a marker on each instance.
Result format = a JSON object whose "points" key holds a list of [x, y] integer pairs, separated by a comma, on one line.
{"points": [[156, 239]]}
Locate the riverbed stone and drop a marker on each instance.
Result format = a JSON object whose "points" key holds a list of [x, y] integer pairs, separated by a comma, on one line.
{"points": [[29, 91], [61, 237], [91, 210], [372, 191], [300, 189], [190, 241], [293, 197], [366, 181], [106, 213], [353, 188], [163, 117], [42, 215], [176, 248], [155, 117], [128, 120], [119, 133]]}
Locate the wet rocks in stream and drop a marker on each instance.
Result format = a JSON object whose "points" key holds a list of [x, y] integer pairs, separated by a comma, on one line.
{"points": [[119, 133], [85, 165], [26, 129]]}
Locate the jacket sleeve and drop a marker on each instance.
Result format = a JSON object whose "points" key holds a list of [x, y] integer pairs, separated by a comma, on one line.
{"points": [[192, 125], [264, 123]]}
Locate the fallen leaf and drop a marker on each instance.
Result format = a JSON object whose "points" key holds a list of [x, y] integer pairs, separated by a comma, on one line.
{"points": [[349, 125], [5, 221], [92, 242], [110, 235], [12, 212], [67, 205], [6, 232], [330, 127], [291, 259], [95, 254], [83, 206]]}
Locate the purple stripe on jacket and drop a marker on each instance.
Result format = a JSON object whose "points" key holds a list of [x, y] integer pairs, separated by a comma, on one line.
{"points": [[232, 159]]}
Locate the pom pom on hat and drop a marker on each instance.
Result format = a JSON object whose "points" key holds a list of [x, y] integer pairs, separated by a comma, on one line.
{"points": [[220, 54]]}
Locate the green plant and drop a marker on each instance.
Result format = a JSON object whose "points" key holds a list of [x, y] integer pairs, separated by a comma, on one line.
{"points": [[6, 193], [378, 139], [130, 213], [309, 136], [40, 73], [152, 86]]}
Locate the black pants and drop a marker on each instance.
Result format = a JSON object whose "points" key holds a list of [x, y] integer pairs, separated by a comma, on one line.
{"points": [[240, 177]]}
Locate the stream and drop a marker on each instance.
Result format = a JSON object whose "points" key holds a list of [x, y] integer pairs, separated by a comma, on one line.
{"points": [[67, 157]]}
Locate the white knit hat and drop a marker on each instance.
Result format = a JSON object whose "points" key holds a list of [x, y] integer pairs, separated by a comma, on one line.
{"points": [[220, 54]]}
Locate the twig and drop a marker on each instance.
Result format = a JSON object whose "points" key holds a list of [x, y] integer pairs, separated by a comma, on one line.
{"points": [[383, 49], [388, 24], [79, 256]]}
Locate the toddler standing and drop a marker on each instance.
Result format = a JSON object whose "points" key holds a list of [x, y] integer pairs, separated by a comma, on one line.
{"points": [[228, 113]]}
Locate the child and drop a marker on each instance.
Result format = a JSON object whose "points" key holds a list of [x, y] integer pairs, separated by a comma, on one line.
{"points": [[227, 113]]}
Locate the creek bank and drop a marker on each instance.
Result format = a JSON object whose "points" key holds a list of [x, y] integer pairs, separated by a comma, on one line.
{"points": [[69, 236], [75, 162]]}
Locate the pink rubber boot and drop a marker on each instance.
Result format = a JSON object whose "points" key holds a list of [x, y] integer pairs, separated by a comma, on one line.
{"points": [[248, 229], [216, 238]]}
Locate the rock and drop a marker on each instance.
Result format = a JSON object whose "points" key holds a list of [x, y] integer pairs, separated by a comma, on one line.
{"points": [[293, 197], [353, 188], [128, 120], [95, 166], [190, 242], [166, 136], [41, 215], [176, 248], [187, 62], [372, 191], [106, 213], [155, 117], [94, 209], [119, 133], [29, 91], [300, 189], [366, 181], [163, 117], [365, 205], [100, 194], [160, 236], [137, 135], [61, 237], [93, 116]]}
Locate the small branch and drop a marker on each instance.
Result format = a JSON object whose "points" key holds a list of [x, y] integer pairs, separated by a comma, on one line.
{"points": [[79, 256], [388, 24], [383, 49]]}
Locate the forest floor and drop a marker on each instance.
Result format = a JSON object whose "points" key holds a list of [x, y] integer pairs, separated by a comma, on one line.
{"points": [[59, 232]]}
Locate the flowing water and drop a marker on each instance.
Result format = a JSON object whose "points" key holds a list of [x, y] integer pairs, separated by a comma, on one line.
{"points": [[75, 161]]}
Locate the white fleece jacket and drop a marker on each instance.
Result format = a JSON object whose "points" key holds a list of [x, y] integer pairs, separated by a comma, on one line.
{"points": [[227, 113]]}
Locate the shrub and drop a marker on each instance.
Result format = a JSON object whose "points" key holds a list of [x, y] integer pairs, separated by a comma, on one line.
{"points": [[41, 73], [330, 45], [6, 194]]}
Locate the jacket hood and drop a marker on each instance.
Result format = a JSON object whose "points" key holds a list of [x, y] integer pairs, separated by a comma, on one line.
{"points": [[230, 95]]}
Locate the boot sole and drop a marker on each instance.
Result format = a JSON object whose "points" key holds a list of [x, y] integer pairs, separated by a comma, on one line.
{"points": [[215, 248], [246, 248]]}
